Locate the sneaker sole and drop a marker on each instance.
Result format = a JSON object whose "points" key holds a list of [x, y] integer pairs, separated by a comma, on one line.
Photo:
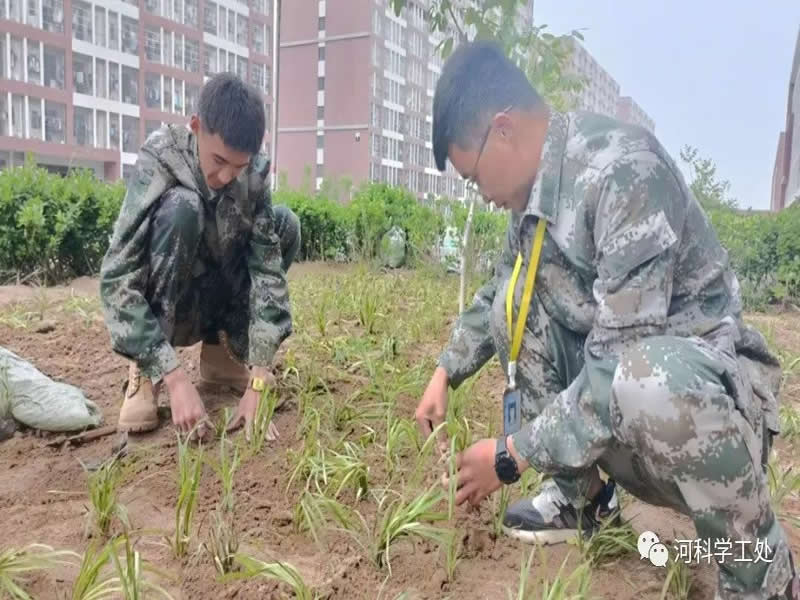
{"points": [[545, 537]]}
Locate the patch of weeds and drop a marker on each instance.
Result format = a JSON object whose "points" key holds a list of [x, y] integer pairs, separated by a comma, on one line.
{"points": [[16, 564], [279, 571], [610, 541], [131, 571], [103, 484], [678, 582], [190, 469]]}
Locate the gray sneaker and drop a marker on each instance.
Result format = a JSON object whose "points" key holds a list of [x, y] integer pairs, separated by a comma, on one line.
{"points": [[549, 518]]}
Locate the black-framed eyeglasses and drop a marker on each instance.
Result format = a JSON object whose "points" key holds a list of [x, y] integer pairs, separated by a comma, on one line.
{"points": [[472, 180]]}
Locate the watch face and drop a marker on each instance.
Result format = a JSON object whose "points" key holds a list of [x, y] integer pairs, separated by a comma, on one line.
{"points": [[507, 469]]}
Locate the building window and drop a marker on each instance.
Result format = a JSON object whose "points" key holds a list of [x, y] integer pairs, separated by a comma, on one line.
{"points": [[16, 69], [113, 81], [34, 62], [150, 127], [320, 113], [100, 26], [82, 21], [130, 85], [192, 97], [257, 75], [32, 16], [167, 94], [101, 129], [53, 15], [178, 52], [231, 26], [130, 134], [35, 117], [257, 34], [210, 18], [320, 142], [113, 130], [113, 30], [190, 10], [152, 43], [193, 56], [268, 80], [321, 24], [209, 60], [152, 90], [241, 30], [130, 36], [177, 96], [83, 129], [101, 82], [320, 83], [268, 116], [321, 53], [54, 122], [241, 67], [82, 77]]}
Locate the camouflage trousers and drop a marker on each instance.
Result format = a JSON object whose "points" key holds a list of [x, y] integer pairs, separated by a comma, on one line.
{"points": [[192, 297], [685, 432]]}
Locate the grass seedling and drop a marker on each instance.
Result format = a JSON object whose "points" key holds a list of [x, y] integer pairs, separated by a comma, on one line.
{"points": [[315, 510], [280, 571], [790, 422], [451, 551], [530, 482], [397, 519], [400, 433], [783, 483], [15, 564], [130, 573], [329, 471], [369, 304], [678, 582], [263, 428], [574, 586], [501, 505], [225, 469], [609, 541], [89, 584], [103, 486], [224, 541], [190, 468]]}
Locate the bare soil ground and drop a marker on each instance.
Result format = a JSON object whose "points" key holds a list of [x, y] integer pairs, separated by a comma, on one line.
{"points": [[43, 489]]}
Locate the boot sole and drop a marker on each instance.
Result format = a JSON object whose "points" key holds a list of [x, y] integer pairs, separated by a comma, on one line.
{"points": [[137, 427], [545, 537]]}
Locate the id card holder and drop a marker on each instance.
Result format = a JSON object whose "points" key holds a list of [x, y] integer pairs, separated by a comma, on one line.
{"points": [[512, 411]]}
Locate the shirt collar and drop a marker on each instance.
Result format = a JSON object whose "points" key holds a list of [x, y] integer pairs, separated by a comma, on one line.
{"points": [[543, 200]]}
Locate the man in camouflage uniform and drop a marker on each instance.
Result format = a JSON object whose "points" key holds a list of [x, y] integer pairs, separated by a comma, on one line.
{"points": [[198, 249], [634, 356]]}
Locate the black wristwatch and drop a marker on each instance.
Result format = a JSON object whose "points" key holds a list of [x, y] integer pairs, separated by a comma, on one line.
{"points": [[504, 464]]}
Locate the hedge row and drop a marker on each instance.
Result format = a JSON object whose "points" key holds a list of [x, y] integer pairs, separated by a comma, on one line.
{"points": [[59, 227]]}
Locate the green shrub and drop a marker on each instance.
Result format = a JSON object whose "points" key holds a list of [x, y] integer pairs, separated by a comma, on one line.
{"points": [[58, 226]]}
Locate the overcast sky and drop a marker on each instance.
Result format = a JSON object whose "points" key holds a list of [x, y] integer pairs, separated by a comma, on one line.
{"points": [[711, 73]]}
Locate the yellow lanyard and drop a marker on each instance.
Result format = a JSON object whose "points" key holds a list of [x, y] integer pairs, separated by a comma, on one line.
{"points": [[515, 334]]}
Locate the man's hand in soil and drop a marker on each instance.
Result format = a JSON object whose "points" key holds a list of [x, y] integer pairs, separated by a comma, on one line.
{"points": [[432, 409], [475, 474], [187, 408], [248, 406]]}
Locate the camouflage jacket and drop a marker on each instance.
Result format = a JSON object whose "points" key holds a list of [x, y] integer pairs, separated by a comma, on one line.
{"points": [[243, 211], [628, 253]]}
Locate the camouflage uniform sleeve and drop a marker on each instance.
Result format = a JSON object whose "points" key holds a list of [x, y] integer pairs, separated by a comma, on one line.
{"points": [[471, 343], [640, 213], [135, 331], [270, 317]]}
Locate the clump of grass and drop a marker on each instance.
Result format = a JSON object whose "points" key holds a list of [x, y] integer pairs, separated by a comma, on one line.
{"points": [[16, 564], [400, 433], [501, 505], [279, 571], [223, 542], [678, 582], [451, 552], [130, 574], [329, 471], [790, 422], [315, 510], [262, 429], [103, 485], [783, 483], [574, 586], [611, 540], [89, 584], [397, 519], [225, 468], [190, 468]]}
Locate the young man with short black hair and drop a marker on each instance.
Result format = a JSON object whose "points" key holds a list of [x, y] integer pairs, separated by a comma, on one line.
{"points": [[198, 249], [624, 348]]}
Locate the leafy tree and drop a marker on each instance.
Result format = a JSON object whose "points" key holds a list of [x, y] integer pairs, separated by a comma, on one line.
{"points": [[709, 190]]}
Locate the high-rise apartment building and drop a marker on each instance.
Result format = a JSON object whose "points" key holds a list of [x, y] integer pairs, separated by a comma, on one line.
{"points": [[601, 92], [630, 112], [786, 173], [355, 95], [82, 83]]}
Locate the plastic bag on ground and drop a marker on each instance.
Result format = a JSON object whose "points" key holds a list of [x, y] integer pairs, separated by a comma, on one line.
{"points": [[39, 402], [393, 247]]}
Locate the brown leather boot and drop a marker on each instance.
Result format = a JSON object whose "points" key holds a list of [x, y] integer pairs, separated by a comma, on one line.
{"points": [[217, 367], [139, 410]]}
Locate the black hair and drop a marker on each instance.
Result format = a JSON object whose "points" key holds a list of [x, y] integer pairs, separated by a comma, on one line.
{"points": [[477, 81], [235, 110]]}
